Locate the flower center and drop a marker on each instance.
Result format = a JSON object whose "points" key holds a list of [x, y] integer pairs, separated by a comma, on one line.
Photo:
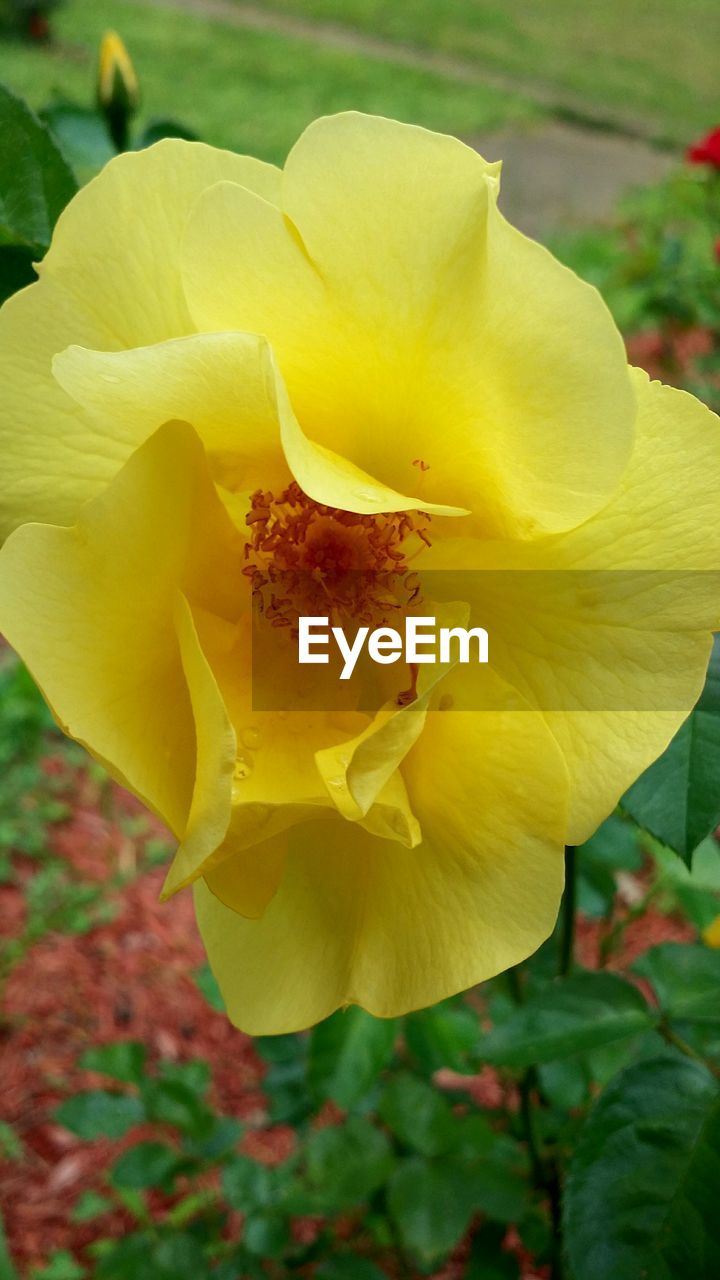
{"points": [[304, 558]]}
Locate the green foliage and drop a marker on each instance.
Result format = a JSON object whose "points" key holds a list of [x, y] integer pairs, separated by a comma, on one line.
{"points": [[642, 1190], [99, 1113], [431, 1205], [35, 180], [569, 1016], [61, 1266], [686, 981], [443, 1036], [149, 1164], [615, 847], [124, 1060], [346, 1164], [678, 799], [347, 1052], [35, 185], [31, 803]]}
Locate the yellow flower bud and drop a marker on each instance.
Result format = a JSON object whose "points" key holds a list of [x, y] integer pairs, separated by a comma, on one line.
{"points": [[118, 89]]}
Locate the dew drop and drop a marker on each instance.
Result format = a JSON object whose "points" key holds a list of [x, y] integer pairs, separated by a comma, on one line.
{"points": [[250, 738], [243, 768]]}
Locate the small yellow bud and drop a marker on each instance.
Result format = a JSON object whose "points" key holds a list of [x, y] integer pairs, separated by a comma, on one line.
{"points": [[118, 90]]}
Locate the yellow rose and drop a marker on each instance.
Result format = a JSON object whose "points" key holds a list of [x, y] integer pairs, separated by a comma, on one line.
{"points": [[362, 347]]}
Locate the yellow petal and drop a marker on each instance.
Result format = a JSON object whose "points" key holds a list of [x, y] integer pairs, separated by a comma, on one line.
{"points": [[278, 784], [412, 324], [110, 280], [93, 610], [215, 755], [224, 384], [607, 628], [356, 770], [246, 882], [358, 919], [663, 518]]}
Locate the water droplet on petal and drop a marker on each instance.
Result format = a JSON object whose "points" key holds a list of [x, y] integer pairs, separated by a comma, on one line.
{"points": [[250, 738], [243, 767]]}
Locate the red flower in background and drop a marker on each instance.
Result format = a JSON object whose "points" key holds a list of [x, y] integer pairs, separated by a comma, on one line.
{"points": [[707, 150]]}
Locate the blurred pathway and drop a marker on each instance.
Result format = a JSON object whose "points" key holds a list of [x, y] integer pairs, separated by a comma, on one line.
{"points": [[566, 170], [560, 176]]}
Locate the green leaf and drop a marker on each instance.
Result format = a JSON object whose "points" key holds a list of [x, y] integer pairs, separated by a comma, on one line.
{"points": [[82, 134], [206, 984], [431, 1205], [418, 1115], [194, 1075], [488, 1260], [179, 1257], [348, 1266], [568, 1016], [643, 1188], [35, 180], [141, 1256], [347, 1053], [686, 980], [498, 1183], [443, 1036], [266, 1234], [347, 1163], [16, 269], [678, 798], [98, 1114], [173, 1102], [225, 1133], [149, 1164], [248, 1185], [90, 1205], [124, 1060], [61, 1266]]}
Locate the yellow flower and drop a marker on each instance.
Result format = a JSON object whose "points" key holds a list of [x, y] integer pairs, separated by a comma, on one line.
{"points": [[361, 355]]}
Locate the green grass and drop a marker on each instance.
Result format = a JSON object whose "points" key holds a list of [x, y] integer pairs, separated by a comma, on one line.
{"points": [[657, 60], [250, 91]]}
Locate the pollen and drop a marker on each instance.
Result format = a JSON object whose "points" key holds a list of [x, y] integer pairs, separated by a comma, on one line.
{"points": [[305, 558]]}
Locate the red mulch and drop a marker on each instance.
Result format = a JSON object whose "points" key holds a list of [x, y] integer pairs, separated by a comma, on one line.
{"points": [[130, 979]]}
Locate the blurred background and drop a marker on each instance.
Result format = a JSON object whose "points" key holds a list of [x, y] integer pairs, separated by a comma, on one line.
{"points": [[604, 115], [581, 99]]}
